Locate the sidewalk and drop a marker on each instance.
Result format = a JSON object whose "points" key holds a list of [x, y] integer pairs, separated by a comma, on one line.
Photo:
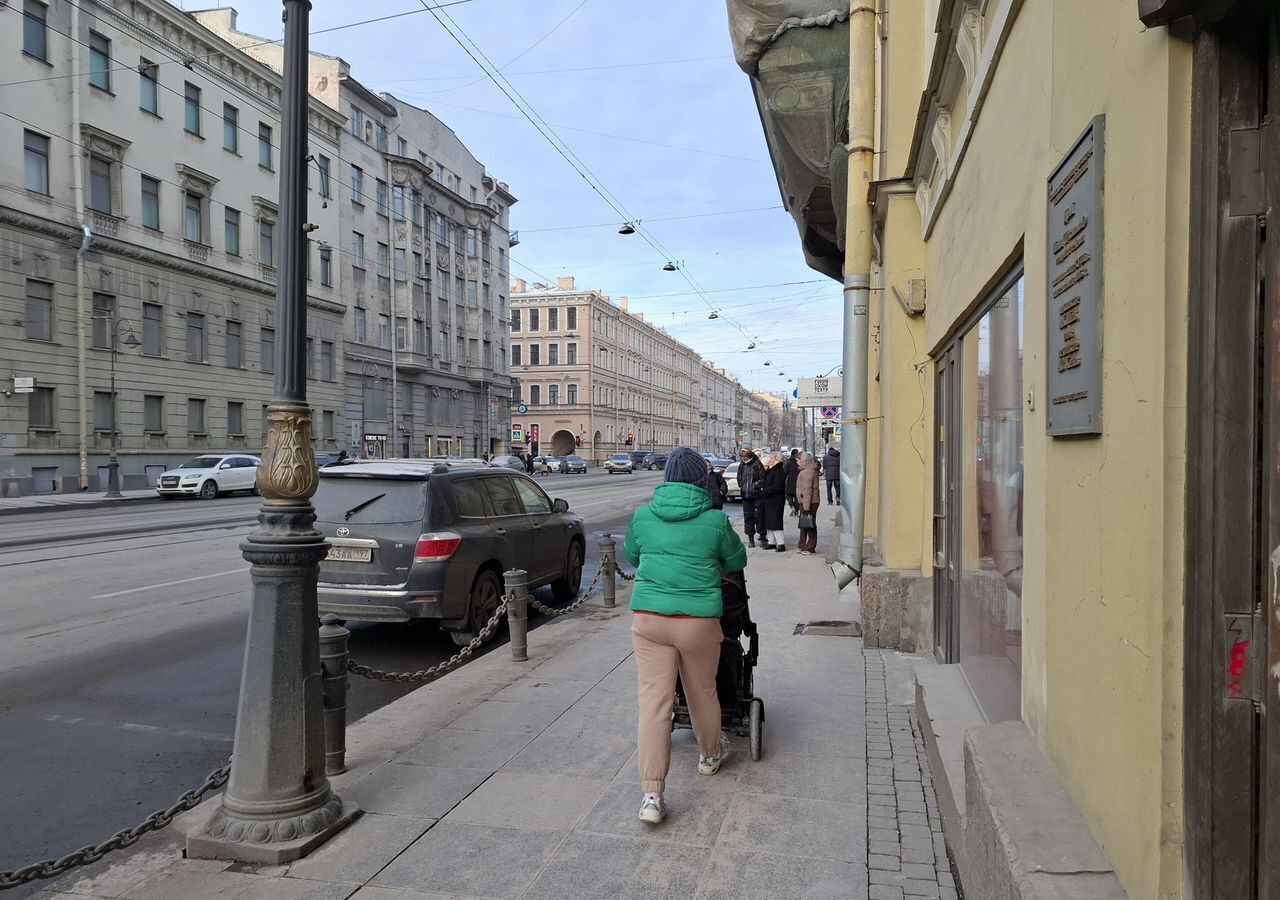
{"points": [[84, 500], [518, 780]]}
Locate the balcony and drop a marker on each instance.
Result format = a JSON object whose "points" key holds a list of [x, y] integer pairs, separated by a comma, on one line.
{"points": [[197, 251], [104, 223], [267, 273], [514, 239]]}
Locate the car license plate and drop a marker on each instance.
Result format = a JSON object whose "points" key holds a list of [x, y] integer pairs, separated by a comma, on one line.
{"points": [[350, 554]]}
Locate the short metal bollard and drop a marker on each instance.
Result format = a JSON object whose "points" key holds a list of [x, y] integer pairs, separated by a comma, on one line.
{"points": [[608, 547], [333, 668], [517, 585]]}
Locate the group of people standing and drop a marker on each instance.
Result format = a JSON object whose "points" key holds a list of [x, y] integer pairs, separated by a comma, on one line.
{"points": [[770, 485]]}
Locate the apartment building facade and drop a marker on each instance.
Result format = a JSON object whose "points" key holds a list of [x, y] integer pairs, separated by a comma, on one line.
{"points": [[138, 234]]}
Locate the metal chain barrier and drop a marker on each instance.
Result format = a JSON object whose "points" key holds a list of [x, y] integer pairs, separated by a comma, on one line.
{"points": [[439, 668], [626, 576], [582, 598], [51, 868]]}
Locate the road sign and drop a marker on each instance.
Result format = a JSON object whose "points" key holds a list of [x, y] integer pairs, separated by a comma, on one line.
{"points": [[822, 391], [523, 409], [24, 385], [830, 412], [517, 433]]}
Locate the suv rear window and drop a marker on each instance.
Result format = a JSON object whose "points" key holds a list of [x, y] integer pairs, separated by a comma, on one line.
{"points": [[400, 501]]}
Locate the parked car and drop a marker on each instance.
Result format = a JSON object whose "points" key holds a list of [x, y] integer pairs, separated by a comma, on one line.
{"points": [[653, 461], [619, 462], [514, 463], [410, 541], [574, 465], [208, 476], [554, 463], [719, 464], [637, 458], [731, 481]]}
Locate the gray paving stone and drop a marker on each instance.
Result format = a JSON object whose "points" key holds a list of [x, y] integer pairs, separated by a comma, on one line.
{"points": [[548, 754], [885, 892], [362, 849], [694, 817], [799, 775], [745, 875], [368, 892], [590, 722], [456, 748], [538, 802], [419, 791], [792, 825], [534, 689], [683, 774], [618, 868], [227, 885], [883, 862], [887, 848], [471, 860], [495, 715]]}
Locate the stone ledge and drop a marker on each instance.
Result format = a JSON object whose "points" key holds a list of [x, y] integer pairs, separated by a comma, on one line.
{"points": [[946, 710], [897, 611]]}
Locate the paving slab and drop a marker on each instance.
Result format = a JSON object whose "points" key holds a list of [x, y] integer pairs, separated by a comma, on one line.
{"points": [[795, 827], [746, 875], [413, 790], [471, 860], [356, 856], [550, 754], [694, 817], [459, 748], [538, 802], [618, 868]]}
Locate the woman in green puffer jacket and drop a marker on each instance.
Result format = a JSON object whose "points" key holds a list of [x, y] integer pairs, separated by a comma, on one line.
{"points": [[680, 546]]}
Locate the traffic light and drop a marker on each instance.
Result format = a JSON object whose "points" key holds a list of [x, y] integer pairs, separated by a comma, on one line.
{"points": [[577, 441], [631, 437]]}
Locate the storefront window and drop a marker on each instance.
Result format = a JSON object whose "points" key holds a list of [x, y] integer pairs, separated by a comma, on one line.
{"points": [[990, 588]]}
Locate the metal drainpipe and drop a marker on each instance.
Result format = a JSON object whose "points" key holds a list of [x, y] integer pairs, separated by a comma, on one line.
{"points": [[77, 200], [395, 309], [857, 289]]}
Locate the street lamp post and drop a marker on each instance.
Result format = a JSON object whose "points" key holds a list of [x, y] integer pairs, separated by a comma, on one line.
{"points": [[364, 399], [113, 463], [278, 804]]}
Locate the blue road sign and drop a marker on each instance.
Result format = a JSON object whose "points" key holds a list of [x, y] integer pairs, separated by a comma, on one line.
{"points": [[523, 409]]}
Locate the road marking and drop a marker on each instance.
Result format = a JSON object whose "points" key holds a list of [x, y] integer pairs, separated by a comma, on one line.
{"points": [[165, 584], [137, 726]]}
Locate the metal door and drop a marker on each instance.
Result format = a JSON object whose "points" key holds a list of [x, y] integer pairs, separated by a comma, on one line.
{"points": [[946, 506]]}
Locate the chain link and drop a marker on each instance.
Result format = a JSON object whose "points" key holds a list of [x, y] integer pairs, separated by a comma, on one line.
{"points": [[562, 610], [625, 576], [51, 868], [439, 668]]}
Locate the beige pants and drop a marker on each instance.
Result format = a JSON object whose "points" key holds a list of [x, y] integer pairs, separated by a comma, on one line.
{"points": [[665, 646]]}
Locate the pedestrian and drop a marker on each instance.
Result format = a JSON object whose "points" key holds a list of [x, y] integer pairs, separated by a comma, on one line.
{"points": [[831, 471], [751, 490], [808, 499], [680, 547], [528, 463], [775, 486], [716, 487], [793, 469]]}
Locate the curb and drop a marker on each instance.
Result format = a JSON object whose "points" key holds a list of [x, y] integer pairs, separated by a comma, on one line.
{"points": [[63, 507]]}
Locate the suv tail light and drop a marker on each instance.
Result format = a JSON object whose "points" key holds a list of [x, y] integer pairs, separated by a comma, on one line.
{"points": [[436, 547]]}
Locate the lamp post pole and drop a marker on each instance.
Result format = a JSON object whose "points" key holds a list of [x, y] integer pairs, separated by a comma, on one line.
{"points": [[278, 804], [113, 463]]}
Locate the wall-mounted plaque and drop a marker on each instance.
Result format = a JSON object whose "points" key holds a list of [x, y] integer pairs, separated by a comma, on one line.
{"points": [[1074, 314]]}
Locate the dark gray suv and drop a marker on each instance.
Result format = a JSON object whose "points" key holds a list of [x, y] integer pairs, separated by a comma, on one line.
{"points": [[421, 541]]}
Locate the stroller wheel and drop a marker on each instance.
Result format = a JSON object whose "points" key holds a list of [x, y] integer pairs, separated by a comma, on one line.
{"points": [[757, 728]]}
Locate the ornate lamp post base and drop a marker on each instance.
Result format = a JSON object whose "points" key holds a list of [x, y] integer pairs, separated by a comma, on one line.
{"points": [[272, 840]]}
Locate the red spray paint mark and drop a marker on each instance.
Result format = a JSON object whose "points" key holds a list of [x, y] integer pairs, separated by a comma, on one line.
{"points": [[1238, 667]]}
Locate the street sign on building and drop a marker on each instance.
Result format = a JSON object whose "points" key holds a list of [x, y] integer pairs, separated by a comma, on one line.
{"points": [[533, 434], [517, 433], [822, 391], [24, 384], [522, 409]]}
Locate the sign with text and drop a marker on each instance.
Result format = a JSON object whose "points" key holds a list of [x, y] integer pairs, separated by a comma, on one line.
{"points": [[24, 384], [1074, 288], [821, 391]]}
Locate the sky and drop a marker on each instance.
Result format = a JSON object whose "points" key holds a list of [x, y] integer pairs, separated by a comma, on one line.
{"points": [[647, 97]]}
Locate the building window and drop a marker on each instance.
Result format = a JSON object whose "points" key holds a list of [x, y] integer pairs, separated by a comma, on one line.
{"points": [[462, 353], [421, 338], [235, 418], [191, 109], [326, 187], [533, 320], [553, 319], [571, 354], [357, 250], [103, 412], [357, 185], [415, 206], [418, 271], [195, 337], [152, 329], [384, 332], [235, 345], [553, 395], [99, 61], [311, 358], [402, 147], [360, 326], [384, 261], [487, 361], [150, 203], [330, 431], [326, 360], [267, 349], [35, 41], [400, 264], [36, 161], [357, 121], [442, 345], [442, 288], [515, 354], [571, 394], [535, 351], [230, 128], [40, 408], [380, 199], [515, 320], [149, 87], [100, 184], [195, 417], [380, 136], [402, 334], [571, 315], [326, 266], [535, 395], [267, 242], [192, 216], [153, 413], [264, 147], [397, 202], [473, 294], [39, 311], [231, 231], [553, 354], [104, 320]]}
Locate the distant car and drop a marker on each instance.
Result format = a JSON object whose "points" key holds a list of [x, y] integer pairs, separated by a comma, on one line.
{"points": [[515, 463], [208, 476], [574, 465], [653, 461], [553, 463], [637, 458], [619, 462], [732, 492], [414, 541], [719, 464]]}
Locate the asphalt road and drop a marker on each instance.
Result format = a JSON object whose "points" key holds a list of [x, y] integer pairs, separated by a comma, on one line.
{"points": [[121, 643]]}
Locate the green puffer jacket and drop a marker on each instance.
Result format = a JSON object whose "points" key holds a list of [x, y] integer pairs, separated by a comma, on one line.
{"points": [[679, 546]]}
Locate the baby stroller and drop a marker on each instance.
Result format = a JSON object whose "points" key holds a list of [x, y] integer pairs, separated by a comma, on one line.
{"points": [[741, 711]]}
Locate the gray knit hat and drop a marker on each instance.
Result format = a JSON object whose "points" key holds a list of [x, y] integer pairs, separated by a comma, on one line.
{"points": [[685, 465]]}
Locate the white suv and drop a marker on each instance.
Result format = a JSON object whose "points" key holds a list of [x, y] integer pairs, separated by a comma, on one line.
{"points": [[208, 476]]}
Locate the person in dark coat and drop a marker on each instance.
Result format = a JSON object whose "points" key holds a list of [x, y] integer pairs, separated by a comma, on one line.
{"points": [[793, 469], [716, 487], [528, 463], [775, 487], [751, 489], [831, 472]]}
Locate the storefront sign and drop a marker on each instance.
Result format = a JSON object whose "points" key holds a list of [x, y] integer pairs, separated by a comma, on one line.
{"points": [[1074, 288], [821, 391], [23, 384]]}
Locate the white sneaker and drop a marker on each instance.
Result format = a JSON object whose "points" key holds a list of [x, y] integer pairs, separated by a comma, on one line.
{"points": [[710, 765], [652, 809]]}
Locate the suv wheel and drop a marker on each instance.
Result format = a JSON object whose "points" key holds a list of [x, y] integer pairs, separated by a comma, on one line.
{"points": [[486, 596], [567, 588], [209, 489]]}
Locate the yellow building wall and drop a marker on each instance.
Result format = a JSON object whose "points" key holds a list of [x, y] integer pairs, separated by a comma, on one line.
{"points": [[1102, 646]]}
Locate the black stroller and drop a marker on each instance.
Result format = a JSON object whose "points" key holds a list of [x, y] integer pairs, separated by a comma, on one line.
{"points": [[741, 711]]}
